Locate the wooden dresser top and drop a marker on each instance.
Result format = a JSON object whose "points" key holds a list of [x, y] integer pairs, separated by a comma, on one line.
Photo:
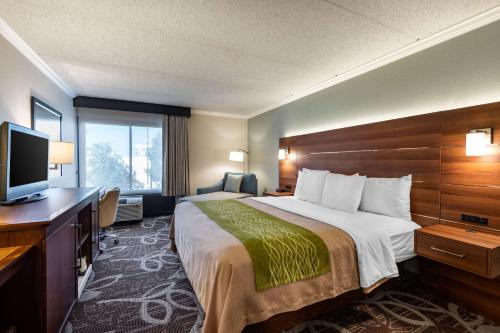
{"points": [[59, 200]]}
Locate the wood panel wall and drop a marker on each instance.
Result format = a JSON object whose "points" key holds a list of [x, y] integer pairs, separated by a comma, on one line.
{"points": [[431, 147]]}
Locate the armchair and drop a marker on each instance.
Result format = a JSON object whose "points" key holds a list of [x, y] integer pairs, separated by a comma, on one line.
{"points": [[248, 184], [219, 186], [216, 192]]}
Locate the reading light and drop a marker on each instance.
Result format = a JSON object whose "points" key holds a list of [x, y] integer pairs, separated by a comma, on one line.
{"points": [[282, 153], [476, 142], [61, 152]]}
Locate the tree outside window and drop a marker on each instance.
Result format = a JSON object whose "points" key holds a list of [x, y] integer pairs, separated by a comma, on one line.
{"points": [[129, 157]]}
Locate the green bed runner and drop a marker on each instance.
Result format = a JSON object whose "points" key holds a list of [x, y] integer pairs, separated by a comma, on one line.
{"points": [[281, 252]]}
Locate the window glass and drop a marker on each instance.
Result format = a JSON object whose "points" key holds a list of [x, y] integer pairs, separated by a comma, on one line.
{"points": [[146, 158], [121, 155]]}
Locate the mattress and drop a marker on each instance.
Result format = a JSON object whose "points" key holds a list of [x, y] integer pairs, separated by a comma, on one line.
{"points": [[399, 231]]}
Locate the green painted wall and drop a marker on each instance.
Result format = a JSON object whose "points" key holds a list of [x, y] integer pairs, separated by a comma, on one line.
{"points": [[461, 72]]}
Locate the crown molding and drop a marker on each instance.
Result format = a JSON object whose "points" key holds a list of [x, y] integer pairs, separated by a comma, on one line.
{"points": [[16, 40], [456, 30], [219, 114]]}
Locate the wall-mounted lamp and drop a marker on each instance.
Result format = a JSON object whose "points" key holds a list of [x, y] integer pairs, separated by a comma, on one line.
{"points": [[238, 156], [283, 153], [477, 141]]}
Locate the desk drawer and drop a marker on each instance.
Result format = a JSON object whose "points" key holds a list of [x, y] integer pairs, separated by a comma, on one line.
{"points": [[464, 256]]}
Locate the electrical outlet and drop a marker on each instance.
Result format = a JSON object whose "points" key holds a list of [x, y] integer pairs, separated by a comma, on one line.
{"points": [[474, 219]]}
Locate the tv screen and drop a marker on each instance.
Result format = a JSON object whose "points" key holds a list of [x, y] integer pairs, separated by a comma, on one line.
{"points": [[29, 159]]}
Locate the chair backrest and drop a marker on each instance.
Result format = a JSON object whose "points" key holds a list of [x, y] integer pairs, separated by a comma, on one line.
{"points": [[248, 184], [108, 206]]}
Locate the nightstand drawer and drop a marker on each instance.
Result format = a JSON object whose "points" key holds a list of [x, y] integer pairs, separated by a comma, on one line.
{"points": [[468, 257]]}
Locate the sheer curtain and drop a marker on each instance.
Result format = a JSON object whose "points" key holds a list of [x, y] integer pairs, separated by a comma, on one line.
{"points": [[175, 156]]}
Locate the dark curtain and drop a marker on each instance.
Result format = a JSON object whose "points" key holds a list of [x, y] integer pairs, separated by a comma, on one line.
{"points": [[175, 156]]}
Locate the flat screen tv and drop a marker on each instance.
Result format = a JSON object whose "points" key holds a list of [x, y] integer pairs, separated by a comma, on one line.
{"points": [[24, 161]]}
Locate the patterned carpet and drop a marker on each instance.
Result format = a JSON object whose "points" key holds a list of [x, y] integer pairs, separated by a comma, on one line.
{"points": [[140, 286]]}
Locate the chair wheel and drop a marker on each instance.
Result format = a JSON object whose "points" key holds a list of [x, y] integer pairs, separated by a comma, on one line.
{"points": [[117, 241]]}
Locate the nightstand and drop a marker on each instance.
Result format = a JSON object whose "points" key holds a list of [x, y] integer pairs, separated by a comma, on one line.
{"points": [[277, 194], [464, 265], [472, 251]]}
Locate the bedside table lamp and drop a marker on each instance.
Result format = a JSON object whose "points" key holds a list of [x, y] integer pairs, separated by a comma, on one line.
{"points": [[61, 152]]}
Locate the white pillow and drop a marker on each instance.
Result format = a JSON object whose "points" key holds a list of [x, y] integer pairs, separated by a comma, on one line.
{"points": [[387, 196], [310, 185], [343, 192]]}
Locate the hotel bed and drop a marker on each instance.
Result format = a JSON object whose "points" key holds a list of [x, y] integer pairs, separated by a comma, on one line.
{"points": [[428, 147], [220, 268]]}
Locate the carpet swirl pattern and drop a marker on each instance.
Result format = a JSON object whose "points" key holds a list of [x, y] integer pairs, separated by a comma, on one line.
{"points": [[139, 285]]}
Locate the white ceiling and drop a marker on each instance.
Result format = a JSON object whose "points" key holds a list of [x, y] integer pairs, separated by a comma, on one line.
{"points": [[231, 56]]}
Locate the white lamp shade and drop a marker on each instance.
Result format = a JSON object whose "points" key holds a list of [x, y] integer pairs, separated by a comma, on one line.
{"points": [[475, 144], [236, 156], [61, 152]]}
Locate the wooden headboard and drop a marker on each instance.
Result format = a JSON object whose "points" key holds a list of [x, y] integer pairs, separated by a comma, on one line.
{"points": [[431, 147]]}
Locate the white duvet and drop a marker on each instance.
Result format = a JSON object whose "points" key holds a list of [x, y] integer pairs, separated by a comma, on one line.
{"points": [[375, 236]]}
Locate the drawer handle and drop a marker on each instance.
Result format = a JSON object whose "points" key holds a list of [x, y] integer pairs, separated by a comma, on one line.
{"points": [[447, 252]]}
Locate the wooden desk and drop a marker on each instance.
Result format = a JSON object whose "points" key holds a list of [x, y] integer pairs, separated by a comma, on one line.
{"points": [[61, 229]]}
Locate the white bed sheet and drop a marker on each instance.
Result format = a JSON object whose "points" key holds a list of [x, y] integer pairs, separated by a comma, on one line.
{"points": [[380, 240]]}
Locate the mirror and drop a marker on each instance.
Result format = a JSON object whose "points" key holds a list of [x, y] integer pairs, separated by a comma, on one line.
{"points": [[46, 119]]}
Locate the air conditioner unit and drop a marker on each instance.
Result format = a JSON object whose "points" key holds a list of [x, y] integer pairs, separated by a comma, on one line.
{"points": [[129, 208]]}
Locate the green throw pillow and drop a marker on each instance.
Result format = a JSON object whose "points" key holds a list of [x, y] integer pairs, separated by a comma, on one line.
{"points": [[233, 183]]}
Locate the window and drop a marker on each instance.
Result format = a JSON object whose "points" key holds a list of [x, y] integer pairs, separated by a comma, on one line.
{"points": [[117, 153]]}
